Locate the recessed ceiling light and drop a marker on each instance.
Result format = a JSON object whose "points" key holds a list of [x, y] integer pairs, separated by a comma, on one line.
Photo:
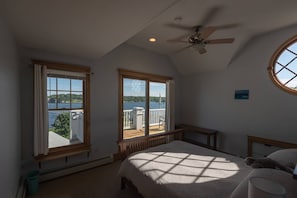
{"points": [[152, 40]]}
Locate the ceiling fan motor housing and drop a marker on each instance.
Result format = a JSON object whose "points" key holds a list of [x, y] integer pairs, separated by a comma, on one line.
{"points": [[195, 39]]}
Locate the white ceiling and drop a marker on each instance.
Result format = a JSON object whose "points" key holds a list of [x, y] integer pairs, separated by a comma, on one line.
{"points": [[92, 28]]}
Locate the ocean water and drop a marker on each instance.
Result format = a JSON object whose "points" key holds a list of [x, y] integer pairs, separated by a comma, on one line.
{"points": [[127, 105], [153, 105]]}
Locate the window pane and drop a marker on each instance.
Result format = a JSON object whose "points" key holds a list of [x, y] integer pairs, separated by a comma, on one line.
{"points": [[76, 85], [63, 99], [133, 87], [285, 57], [284, 76], [277, 68], [157, 111], [59, 128], [293, 47], [63, 84], [51, 83], [292, 84], [293, 66], [52, 99], [134, 101], [77, 100], [65, 127]]}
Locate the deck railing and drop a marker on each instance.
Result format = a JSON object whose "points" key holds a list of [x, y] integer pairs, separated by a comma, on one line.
{"points": [[128, 119], [157, 117]]}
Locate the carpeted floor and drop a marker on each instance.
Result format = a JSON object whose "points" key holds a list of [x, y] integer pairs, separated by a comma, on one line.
{"points": [[99, 182]]}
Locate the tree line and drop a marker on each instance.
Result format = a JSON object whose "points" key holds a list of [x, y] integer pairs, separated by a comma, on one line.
{"points": [[61, 98], [143, 98]]}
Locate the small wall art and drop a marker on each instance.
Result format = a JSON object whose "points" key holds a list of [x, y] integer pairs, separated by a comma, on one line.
{"points": [[241, 95]]}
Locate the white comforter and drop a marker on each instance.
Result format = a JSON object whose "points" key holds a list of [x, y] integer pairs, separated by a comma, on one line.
{"points": [[180, 169]]}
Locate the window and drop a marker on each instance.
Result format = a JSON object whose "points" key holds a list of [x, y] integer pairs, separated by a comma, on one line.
{"points": [[144, 104], [283, 66], [65, 110], [66, 120]]}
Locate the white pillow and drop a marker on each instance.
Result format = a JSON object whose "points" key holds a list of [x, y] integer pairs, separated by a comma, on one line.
{"points": [[284, 156]]}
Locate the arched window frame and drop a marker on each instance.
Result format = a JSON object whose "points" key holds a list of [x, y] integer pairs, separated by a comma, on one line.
{"points": [[272, 64]]}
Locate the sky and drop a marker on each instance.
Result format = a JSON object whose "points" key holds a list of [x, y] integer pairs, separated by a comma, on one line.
{"points": [[284, 58], [133, 87], [64, 84]]}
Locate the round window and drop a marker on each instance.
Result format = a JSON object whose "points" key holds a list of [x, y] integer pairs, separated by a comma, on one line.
{"points": [[283, 66]]}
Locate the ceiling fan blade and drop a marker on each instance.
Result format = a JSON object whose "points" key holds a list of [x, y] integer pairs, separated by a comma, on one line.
{"points": [[179, 39], [182, 49], [220, 41], [227, 26], [207, 31], [176, 41], [180, 26]]}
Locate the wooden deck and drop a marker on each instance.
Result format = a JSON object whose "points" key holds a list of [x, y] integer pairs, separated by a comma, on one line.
{"points": [[132, 133]]}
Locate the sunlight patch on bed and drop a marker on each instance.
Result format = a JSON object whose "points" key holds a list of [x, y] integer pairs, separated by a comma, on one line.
{"points": [[183, 168]]}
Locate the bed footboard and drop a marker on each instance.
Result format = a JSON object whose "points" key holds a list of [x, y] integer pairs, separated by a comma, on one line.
{"points": [[129, 146]]}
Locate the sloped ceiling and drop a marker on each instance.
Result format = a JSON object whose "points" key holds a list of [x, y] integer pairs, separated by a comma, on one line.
{"points": [[93, 28], [83, 28]]}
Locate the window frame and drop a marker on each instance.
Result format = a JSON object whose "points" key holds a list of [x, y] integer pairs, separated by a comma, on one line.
{"points": [[123, 73], [68, 150], [273, 61]]}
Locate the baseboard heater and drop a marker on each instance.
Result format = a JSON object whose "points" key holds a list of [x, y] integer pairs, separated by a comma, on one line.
{"points": [[74, 169]]}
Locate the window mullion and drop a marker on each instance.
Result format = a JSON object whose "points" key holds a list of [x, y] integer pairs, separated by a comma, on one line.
{"points": [[147, 106], [57, 98], [70, 92], [290, 80]]}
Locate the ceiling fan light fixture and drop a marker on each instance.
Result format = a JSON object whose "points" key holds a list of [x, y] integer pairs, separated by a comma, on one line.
{"points": [[200, 48], [152, 40]]}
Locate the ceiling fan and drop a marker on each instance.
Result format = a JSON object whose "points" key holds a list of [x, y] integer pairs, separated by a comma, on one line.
{"points": [[199, 38]]}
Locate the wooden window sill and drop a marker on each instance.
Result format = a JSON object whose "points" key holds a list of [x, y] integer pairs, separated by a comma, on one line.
{"points": [[61, 152]]}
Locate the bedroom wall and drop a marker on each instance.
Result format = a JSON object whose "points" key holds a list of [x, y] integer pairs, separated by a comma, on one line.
{"points": [[270, 112], [10, 115], [104, 97]]}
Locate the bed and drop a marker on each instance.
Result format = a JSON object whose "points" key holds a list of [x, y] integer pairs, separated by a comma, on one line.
{"points": [[181, 169]]}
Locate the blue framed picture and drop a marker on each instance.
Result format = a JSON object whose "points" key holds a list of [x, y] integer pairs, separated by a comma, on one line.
{"points": [[241, 95]]}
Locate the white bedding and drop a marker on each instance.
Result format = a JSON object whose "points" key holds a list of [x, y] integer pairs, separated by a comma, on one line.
{"points": [[180, 169]]}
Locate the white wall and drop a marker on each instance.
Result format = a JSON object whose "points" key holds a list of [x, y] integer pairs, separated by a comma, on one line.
{"points": [[104, 97], [9, 116], [270, 112]]}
